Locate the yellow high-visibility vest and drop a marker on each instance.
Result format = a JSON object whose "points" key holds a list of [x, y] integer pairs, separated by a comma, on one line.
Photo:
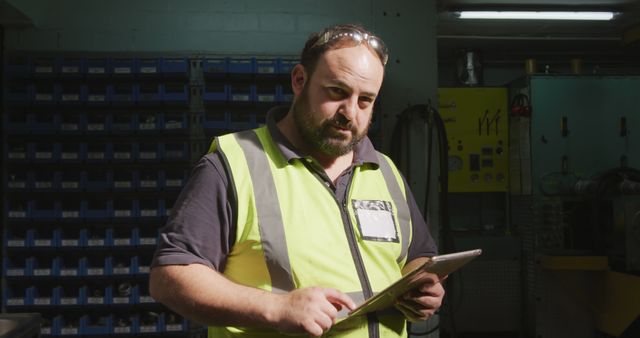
{"points": [[292, 232]]}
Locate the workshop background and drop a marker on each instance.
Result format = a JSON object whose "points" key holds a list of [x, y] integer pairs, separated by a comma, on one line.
{"points": [[520, 137]]}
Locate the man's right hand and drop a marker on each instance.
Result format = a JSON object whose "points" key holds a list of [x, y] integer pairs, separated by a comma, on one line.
{"points": [[311, 310]]}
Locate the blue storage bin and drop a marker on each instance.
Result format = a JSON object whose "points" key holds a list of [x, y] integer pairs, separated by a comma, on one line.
{"points": [[43, 94], [285, 66], [97, 238], [286, 95], [42, 266], [242, 66], [175, 94], [151, 207], [72, 152], [17, 266], [149, 93], [65, 326], [68, 267], [19, 94], [71, 209], [96, 266], [72, 123], [174, 67], [94, 326], [215, 93], [124, 237], [176, 151], [65, 295], [98, 152], [45, 209], [71, 67], [97, 208], [149, 152], [148, 66], [174, 323], [124, 180], [17, 122], [266, 93], [216, 119], [148, 237], [44, 181], [150, 322], [215, 67], [97, 180], [16, 151], [46, 237], [122, 94], [17, 180], [125, 324], [125, 208], [124, 152], [45, 66], [17, 66], [122, 66], [71, 238], [70, 180], [243, 121], [16, 296], [266, 67], [97, 67], [261, 119], [45, 123], [18, 237], [41, 296], [122, 265], [98, 123], [242, 93], [149, 179], [149, 122], [176, 122], [44, 152], [97, 95], [123, 123], [174, 179], [69, 95]]}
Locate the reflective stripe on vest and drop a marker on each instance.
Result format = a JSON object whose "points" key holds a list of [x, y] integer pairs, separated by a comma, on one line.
{"points": [[274, 243], [398, 198]]}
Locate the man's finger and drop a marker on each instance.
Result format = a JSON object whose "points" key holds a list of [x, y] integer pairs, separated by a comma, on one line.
{"points": [[336, 297]]}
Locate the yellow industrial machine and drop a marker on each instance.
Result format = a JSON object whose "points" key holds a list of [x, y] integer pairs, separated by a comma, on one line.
{"points": [[476, 120]]}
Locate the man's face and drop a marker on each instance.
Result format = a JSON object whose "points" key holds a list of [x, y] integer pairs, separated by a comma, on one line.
{"points": [[333, 110]]}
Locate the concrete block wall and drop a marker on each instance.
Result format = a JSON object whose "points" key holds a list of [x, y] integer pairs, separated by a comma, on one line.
{"points": [[254, 27]]}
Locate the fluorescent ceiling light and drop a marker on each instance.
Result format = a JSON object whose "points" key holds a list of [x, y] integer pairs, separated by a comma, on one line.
{"points": [[537, 15]]}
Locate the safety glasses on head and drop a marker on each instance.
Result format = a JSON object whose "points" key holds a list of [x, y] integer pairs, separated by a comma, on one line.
{"points": [[355, 35]]}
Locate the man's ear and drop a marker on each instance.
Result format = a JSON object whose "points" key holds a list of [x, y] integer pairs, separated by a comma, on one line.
{"points": [[298, 79]]}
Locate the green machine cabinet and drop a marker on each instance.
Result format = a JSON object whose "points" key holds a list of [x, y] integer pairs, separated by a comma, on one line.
{"points": [[582, 125]]}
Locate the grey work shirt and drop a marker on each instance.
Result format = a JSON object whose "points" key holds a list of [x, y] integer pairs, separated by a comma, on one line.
{"points": [[202, 225]]}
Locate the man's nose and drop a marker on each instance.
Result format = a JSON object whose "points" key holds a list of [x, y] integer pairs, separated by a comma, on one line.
{"points": [[350, 108]]}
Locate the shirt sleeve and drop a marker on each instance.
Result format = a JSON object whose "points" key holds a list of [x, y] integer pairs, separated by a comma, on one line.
{"points": [[422, 243], [199, 229]]}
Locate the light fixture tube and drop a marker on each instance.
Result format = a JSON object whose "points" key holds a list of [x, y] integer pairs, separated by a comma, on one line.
{"points": [[537, 15]]}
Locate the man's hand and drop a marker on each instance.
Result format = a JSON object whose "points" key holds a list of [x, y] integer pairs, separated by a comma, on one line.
{"points": [[422, 302], [310, 310]]}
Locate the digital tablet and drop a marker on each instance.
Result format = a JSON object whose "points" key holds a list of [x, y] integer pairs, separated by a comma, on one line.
{"points": [[441, 265]]}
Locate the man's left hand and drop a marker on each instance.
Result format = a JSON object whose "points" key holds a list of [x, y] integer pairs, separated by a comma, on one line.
{"points": [[422, 302]]}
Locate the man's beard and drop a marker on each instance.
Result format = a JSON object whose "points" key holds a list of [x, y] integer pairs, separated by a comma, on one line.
{"points": [[323, 137]]}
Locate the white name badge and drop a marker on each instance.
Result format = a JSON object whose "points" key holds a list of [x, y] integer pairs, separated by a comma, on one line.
{"points": [[375, 220]]}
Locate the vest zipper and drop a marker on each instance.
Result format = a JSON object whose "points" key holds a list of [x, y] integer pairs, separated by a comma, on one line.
{"points": [[372, 322], [353, 246]]}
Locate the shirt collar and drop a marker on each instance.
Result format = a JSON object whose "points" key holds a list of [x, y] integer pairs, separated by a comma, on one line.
{"points": [[364, 151]]}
